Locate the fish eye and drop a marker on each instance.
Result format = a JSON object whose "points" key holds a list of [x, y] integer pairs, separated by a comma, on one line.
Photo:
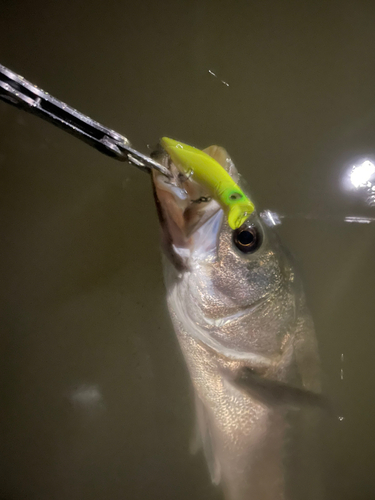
{"points": [[247, 239]]}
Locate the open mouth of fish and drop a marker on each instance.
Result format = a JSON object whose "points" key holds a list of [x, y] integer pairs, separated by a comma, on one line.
{"points": [[190, 219]]}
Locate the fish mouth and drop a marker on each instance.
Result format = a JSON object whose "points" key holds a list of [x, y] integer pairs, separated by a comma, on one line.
{"points": [[189, 218]]}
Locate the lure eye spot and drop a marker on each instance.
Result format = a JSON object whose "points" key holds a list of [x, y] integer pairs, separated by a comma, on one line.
{"points": [[247, 239], [235, 196]]}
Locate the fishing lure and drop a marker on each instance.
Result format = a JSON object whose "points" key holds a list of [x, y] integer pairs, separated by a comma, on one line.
{"points": [[207, 172]]}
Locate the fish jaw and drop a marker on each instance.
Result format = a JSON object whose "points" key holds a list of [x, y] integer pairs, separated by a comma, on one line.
{"points": [[190, 220]]}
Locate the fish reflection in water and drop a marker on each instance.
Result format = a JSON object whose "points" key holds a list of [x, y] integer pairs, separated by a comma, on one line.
{"points": [[240, 315]]}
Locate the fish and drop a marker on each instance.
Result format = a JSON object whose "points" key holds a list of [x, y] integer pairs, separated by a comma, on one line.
{"points": [[240, 316]]}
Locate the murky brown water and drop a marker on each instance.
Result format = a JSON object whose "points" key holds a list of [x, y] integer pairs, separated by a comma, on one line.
{"points": [[95, 395]]}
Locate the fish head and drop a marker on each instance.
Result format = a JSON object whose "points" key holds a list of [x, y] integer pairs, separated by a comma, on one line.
{"points": [[242, 266]]}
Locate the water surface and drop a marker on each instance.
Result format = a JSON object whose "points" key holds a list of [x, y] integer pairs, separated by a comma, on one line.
{"points": [[96, 400]]}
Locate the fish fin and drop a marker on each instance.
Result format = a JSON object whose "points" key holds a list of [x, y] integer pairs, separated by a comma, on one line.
{"points": [[203, 439], [275, 392]]}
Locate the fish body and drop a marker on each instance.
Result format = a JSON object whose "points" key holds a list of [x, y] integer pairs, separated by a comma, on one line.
{"points": [[232, 310]]}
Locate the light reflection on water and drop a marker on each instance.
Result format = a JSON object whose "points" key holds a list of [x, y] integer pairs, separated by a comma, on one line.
{"points": [[360, 178], [272, 218], [361, 174]]}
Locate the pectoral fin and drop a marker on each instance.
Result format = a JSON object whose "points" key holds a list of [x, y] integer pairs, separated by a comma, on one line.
{"points": [[274, 392]]}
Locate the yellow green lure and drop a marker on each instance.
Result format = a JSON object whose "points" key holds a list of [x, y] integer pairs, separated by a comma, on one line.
{"points": [[209, 173]]}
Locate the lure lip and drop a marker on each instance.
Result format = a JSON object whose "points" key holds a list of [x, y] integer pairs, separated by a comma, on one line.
{"points": [[205, 170], [238, 214]]}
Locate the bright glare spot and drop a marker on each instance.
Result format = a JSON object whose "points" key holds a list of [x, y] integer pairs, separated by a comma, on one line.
{"points": [[212, 73], [361, 174], [270, 218], [225, 83], [341, 418]]}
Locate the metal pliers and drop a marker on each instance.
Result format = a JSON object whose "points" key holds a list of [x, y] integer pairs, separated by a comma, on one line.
{"points": [[15, 90]]}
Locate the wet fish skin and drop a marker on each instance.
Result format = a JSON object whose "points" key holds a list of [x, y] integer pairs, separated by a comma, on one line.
{"points": [[231, 312]]}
